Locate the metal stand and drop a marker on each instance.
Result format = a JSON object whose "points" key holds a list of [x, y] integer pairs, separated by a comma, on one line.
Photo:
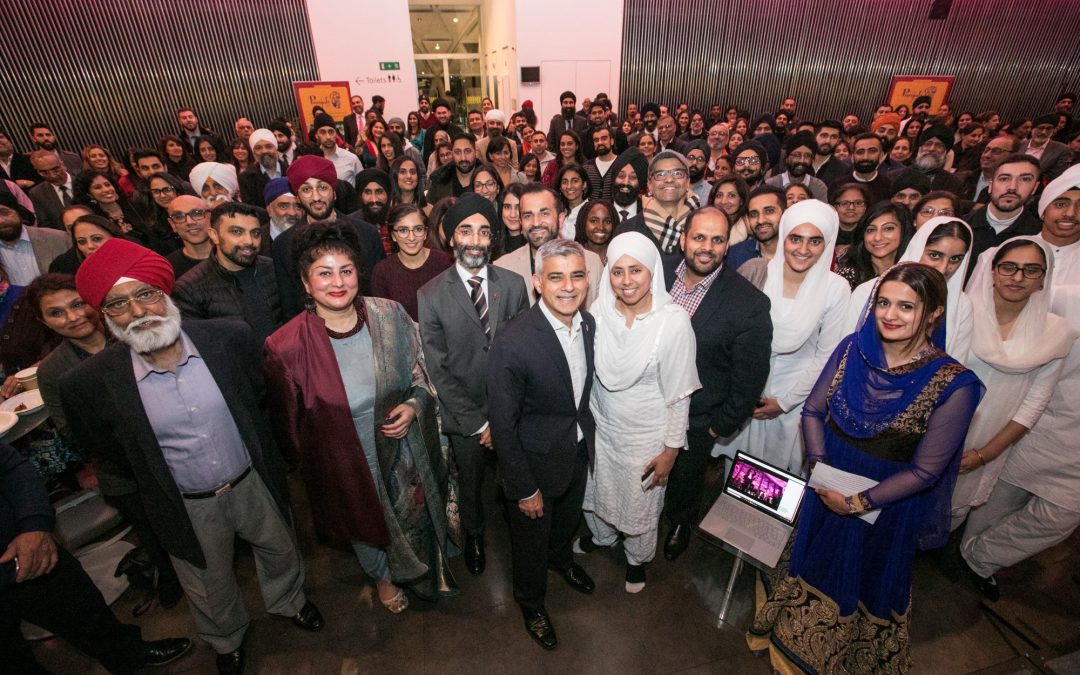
{"points": [[736, 567]]}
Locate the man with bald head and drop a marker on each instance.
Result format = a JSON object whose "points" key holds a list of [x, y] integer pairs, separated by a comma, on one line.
{"points": [[243, 128], [267, 166], [189, 218]]}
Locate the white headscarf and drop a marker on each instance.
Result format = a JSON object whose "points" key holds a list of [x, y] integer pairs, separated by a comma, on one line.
{"points": [[622, 354], [262, 135], [1037, 336], [793, 322], [1069, 180], [223, 174], [914, 253]]}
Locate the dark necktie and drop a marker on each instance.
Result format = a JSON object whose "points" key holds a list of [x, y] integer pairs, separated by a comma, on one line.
{"points": [[623, 213], [479, 301], [65, 198]]}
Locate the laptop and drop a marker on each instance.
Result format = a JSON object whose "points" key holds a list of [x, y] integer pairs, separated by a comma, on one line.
{"points": [[756, 511]]}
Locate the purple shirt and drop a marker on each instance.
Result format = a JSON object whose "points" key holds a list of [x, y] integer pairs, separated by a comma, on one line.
{"points": [[191, 421]]}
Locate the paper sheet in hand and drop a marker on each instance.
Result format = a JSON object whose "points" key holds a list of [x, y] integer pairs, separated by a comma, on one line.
{"points": [[830, 478]]}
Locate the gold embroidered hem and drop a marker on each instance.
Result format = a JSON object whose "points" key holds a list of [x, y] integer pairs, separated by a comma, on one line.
{"points": [[804, 633]]}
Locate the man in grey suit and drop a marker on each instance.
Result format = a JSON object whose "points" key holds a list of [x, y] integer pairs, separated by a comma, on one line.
{"points": [[461, 310], [51, 195], [26, 251], [1054, 157]]}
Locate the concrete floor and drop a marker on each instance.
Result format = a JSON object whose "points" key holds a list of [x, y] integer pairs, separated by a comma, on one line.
{"points": [[671, 627]]}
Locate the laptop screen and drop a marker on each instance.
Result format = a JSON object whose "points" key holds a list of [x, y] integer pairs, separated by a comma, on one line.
{"points": [[776, 492]]}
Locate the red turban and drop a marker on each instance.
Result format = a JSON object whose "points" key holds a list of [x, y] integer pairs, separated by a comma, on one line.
{"points": [[887, 118], [118, 258], [311, 166]]}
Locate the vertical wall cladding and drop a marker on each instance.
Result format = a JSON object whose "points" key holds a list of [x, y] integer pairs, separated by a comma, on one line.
{"points": [[838, 56], [115, 72]]}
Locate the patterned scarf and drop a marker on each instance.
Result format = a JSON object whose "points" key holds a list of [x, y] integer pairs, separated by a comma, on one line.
{"points": [[667, 229]]}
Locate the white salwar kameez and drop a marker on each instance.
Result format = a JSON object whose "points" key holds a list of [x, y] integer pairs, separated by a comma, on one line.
{"points": [[641, 404]]}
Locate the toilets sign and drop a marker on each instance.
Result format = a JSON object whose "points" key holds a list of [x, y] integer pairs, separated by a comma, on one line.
{"points": [[390, 68]]}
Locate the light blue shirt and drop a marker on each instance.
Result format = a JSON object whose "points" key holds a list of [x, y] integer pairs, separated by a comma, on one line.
{"points": [[191, 421], [19, 261]]}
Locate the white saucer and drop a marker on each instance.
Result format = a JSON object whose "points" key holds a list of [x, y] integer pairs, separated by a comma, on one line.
{"points": [[31, 399], [7, 421]]}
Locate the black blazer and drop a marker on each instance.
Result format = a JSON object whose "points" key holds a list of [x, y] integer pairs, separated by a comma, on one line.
{"points": [[21, 169], [253, 181], [352, 130], [531, 405], [734, 341], [48, 209], [106, 416]]}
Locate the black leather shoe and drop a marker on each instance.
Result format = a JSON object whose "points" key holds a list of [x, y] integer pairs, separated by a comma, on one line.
{"points": [[160, 652], [231, 663], [309, 618], [474, 553], [538, 625], [577, 578], [677, 541], [169, 592]]}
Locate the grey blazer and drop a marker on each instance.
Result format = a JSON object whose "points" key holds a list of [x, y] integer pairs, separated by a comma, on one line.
{"points": [[1054, 160], [47, 206], [455, 347], [47, 244]]}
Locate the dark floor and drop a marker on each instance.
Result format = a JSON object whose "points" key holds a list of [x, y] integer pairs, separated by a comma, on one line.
{"points": [[670, 627]]}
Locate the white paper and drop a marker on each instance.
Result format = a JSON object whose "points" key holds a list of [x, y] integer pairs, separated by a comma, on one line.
{"points": [[826, 477]]}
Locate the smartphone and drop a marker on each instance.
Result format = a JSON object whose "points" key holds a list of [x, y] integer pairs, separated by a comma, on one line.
{"points": [[646, 479], [388, 420]]}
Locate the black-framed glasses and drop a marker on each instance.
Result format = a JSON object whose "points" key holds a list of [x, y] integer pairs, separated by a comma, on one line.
{"points": [[1009, 269], [160, 192], [146, 297], [180, 216], [418, 230]]}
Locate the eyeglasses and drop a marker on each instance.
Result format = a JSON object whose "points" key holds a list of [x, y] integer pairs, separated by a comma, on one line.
{"points": [[677, 174], [146, 297], [486, 185], [418, 230], [930, 212], [851, 203], [697, 160], [747, 161], [1008, 269], [160, 192], [180, 216]]}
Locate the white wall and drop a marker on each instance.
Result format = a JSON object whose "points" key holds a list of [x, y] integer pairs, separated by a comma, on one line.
{"points": [[578, 46], [498, 44], [349, 46]]}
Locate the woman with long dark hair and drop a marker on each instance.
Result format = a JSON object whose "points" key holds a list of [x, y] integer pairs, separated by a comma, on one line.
{"points": [[96, 190], [568, 152], [177, 154], [879, 239]]}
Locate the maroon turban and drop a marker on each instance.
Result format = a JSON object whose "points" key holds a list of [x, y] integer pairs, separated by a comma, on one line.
{"points": [[311, 166], [118, 258]]}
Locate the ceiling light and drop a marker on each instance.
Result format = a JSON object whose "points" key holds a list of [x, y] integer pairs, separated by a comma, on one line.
{"points": [[455, 19], [436, 46]]}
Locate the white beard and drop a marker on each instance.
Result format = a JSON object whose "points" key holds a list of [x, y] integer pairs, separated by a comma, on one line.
{"points": [[149, 339]]}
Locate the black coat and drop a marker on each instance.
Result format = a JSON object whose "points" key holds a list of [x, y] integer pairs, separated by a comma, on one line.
{"points": [[24, 504], [984, 236], [531, 407], [253, 181], [209, 291], [106, 416], [734, 342]]}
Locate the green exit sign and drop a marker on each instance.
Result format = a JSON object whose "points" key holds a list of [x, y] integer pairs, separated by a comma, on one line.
{"points": [[389, 65]]}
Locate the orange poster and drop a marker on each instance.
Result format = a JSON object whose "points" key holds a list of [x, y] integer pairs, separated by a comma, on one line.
{"points": [[332, 97], [906, 88]]}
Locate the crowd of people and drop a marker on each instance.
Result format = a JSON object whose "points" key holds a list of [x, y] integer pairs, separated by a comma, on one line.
{"points": [[381, 305]]}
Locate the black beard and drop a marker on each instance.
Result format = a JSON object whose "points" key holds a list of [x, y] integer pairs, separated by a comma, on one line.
{"points": [[242, 259], [48, 145], [376, 216], [602, 150], [624, 195], [798, 169], [650, 125], [865, 166], [568, 112], [696, 174]]}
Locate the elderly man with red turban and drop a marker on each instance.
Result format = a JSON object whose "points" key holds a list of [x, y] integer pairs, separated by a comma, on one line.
{"points": [[175, 406]]}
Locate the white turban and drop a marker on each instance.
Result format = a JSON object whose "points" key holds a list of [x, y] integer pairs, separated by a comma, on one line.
{"points": [[223, 174], [1057, 187], [261, 135], [497, 116]]}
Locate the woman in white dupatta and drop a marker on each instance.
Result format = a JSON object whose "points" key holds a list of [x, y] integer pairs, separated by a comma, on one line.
{"points": [[944, 243], [808, 303], [1017, 350], [645, 372]]}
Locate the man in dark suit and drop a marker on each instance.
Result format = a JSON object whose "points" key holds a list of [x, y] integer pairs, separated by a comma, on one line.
{"points": [[1054, 157], [175, 407], [461, 310], [539, 379], [51, 195], [267, 166], [1013, 183], [15, 166], [46, 585], [354, 122], [566, 120], [44, 139], [734, 335]]}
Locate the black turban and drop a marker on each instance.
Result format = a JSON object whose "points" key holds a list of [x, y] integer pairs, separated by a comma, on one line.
{"points": [[940, 132], [469, 204], [372, 175]]}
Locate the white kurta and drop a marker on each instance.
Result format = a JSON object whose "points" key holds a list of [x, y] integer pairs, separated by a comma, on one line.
{"points": [[1019, 397], [791, 377], [632, 427], [1046, 461], [1066, 264]]}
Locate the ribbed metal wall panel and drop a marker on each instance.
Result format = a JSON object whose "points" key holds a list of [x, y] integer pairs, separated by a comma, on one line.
{"points": [[115, 72], [839, 56]]}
